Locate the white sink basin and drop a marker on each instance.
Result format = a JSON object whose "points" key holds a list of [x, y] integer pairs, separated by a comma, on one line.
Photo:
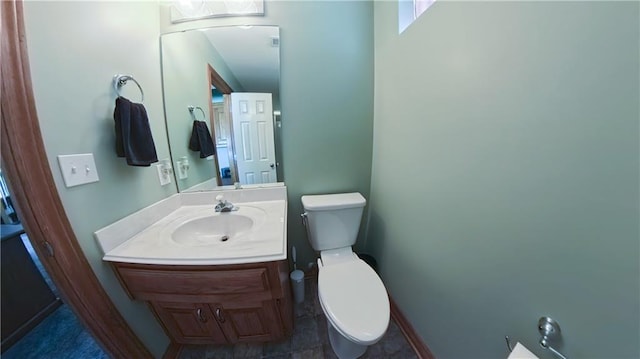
{"points": [[211, 230], [215, 228]]}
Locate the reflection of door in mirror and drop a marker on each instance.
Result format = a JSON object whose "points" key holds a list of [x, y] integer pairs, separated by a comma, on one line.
{"points": [[221, 132], [219, 120], [252, 115]]}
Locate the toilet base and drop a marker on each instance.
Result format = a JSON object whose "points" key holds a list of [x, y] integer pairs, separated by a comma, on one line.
{"points": [[343, 347]]}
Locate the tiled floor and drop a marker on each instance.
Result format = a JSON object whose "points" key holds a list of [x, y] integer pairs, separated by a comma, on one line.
{"points": [[309, 340]]}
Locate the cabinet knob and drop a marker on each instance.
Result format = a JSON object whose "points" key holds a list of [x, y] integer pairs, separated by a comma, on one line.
{"points": [[219, 315], [201, 316]]}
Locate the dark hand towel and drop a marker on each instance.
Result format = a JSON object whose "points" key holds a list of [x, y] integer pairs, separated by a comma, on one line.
{"points": [[201, 140], [133, 134]]}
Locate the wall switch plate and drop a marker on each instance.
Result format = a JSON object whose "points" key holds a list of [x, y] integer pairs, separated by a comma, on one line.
{"points": [[78, 169], [182, 171], [164, 174]]}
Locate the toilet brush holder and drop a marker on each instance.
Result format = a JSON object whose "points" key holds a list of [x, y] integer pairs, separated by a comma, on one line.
{"points": [[297, 285]]}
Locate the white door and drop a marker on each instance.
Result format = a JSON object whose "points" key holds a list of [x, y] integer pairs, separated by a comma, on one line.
{"points": [[252, 115]]}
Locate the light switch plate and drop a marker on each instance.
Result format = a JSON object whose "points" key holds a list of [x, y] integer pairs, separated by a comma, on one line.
{"points": [[163, 176], [78, 169], [182, 171]]}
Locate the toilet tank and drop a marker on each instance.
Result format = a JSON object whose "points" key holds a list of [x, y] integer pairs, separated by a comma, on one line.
{"points": [[333, 220]]}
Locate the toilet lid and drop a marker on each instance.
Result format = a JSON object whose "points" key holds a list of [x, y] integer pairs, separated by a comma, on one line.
{"points": [[354, 300]]}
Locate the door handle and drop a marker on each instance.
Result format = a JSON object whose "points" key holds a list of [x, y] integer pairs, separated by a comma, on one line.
{"points": [[272, 165]]}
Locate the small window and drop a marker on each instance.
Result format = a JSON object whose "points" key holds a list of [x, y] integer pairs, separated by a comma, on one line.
{"points": [[409, 10]]}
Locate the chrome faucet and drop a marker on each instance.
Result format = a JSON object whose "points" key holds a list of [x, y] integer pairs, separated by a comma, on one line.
{"points": [[223, 205]]}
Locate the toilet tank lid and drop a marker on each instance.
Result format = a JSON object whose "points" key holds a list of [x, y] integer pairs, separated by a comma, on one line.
{"points": [[326, 202]]}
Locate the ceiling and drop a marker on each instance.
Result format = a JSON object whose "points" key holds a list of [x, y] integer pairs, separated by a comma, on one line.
{"points": [[249, 54]]}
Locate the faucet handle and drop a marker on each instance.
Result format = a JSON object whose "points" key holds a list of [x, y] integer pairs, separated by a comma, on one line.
{"points": [[220, 198]]}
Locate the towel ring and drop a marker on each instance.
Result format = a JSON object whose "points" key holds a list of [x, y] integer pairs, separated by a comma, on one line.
{"points": [[121, 80], [193, 108]]}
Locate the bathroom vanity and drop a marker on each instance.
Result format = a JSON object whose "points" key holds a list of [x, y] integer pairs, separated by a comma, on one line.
{"points": [[216, 304], [209, 277]]}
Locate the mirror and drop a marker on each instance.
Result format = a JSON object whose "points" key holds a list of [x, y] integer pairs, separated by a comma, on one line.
{"points": [[228, 77]]}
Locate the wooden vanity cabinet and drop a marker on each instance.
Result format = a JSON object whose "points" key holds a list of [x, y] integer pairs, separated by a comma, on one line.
{"points": [[191, 323], [250, 321], [218, 304]]}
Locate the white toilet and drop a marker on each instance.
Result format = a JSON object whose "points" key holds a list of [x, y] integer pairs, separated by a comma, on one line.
{"points": [[351, 294]]}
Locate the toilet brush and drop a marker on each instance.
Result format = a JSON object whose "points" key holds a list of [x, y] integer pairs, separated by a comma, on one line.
{"points": [[297, 279]]}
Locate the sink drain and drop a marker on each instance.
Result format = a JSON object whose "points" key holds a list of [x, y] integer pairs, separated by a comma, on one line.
{"points": [[224, 238]]}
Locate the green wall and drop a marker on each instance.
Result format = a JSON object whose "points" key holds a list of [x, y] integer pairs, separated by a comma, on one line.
{"points": [[326, 89], [505, 174], [75, 49]]}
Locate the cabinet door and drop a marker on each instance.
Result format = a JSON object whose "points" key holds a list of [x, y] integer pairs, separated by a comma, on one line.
{"points": [[189, 323], [249, 321]]}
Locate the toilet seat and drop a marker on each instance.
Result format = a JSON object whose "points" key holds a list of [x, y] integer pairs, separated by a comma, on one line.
{"points": [[354, 300]]}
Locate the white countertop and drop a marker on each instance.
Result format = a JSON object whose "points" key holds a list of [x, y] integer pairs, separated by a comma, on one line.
{"points": [[146, 236]]}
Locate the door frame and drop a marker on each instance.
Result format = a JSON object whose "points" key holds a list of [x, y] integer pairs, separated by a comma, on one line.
{"points": [[215, 80], [36, 198]]}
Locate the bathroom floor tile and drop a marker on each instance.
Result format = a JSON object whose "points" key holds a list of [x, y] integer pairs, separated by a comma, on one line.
{"points": [[313, 353], [309, 340], [277, 349], [305, 335], [207, 352], [247, 351]]}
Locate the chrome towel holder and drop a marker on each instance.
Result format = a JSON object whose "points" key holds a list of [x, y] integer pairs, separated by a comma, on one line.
{"points": [[193, 108], [120, 80]]}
